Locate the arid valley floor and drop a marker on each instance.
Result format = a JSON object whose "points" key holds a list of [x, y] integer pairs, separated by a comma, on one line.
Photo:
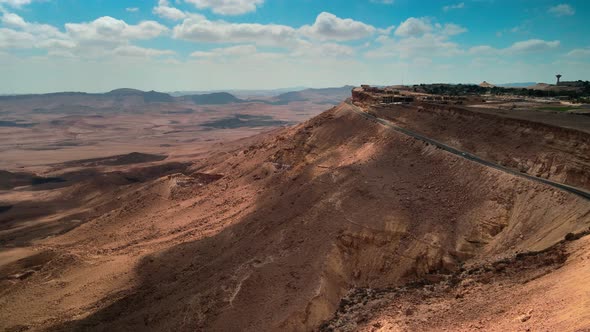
{"points": [[303, 211]]}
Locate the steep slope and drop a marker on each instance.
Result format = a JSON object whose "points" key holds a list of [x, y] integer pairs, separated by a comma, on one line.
{"points": [[536, 291], [272, 234], [538, 149]]}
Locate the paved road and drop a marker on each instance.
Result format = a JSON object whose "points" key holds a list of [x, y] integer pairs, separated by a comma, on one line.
{"points": [[472, 157]]}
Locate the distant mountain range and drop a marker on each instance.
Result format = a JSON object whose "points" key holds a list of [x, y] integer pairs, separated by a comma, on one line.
{"points": [[240, 93], [326, 95], [215, 98]]}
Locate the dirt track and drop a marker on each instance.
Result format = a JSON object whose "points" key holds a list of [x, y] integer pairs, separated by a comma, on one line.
{"points": [[537, 149]]}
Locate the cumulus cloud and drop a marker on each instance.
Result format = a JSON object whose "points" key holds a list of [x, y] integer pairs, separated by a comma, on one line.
{"points": [[525, 46], [426, 45], [109, 29], [15, 39], [136, 51], [199, 29], [418, 37], [102, 37], [309, 49], [30, 33], [13, 20], [239, 50], [579, 53], [452, 29], [309, 40], [165, 10], [460, 5], [15, 3], [303, 49], [238, 54], [413, 27], [482, 50], [228, 7], [330, 27], [532, 45], [562, 10]]}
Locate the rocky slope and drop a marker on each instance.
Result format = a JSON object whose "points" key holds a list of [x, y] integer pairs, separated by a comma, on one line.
{"points": [[551, 152], [272, 232]]}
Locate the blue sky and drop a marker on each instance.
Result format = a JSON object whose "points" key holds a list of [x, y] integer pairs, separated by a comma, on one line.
{"points": [[166, 45]]}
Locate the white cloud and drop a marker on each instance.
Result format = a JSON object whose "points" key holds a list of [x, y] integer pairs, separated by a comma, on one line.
{"points": [[532, 45], [13, 20], [132, 9], [144, 30], [562, 10], [452, 29], [164, 10], [15, 39], [136, 51], [303, 50], [386, 31], [107, 36], [228, 7], [56, 44], [15, 3], [199, 29], [30, 33], [327, 27], [413, 27], [110, 30], [431, 45], [580, 53], [526, 46], [239, 50], [328, 50], [418, 37], [102, 37], [460, 5], [330, 27], [482, 50]]}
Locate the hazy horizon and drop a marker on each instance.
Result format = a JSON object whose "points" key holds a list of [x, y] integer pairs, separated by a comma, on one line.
{"points": [[278, 89], [205, 45]]}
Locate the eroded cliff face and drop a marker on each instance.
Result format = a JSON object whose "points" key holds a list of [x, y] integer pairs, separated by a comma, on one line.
{"points": [[360, 96], [550, 152], [531, 291]]}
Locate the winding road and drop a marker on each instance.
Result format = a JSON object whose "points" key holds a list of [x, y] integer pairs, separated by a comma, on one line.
{"points": [[469, 156]]}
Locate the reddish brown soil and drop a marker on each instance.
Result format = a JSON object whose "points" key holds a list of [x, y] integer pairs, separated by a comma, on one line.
{"points": [[539, 291], [268, 233], [539, 149]]}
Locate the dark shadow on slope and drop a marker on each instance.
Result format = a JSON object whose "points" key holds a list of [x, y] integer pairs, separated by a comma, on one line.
{"points": [[377, 216], [21, 223], [117, 160], [10, 180], [245, 120]]}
